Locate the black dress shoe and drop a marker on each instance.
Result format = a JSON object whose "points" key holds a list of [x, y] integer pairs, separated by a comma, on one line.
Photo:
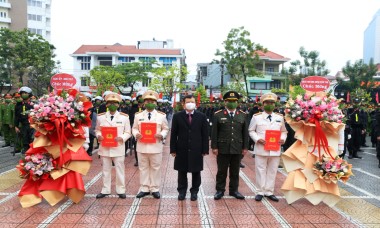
{"points": [[350, 157], [358, 157], [136, 164], [142, 194], [181, 196], [218, 195], [156, 195], [241, 165], [273, 198], [6, 144], [101, 195], [237, 195], [364, 145], [122, 196], [194, 197], [259, 197]]}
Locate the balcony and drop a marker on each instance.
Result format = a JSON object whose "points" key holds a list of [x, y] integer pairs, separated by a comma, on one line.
{"points": [[5, 5], [5, 20]]}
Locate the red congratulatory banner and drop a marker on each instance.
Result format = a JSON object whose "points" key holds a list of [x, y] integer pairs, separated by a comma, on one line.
{"points": [[315, 83], [63, 81]]}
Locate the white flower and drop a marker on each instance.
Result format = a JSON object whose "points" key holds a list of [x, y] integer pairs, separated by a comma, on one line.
{"points": [[294, 116], [333, 169], [73, 124], [345, 170], [298, 112]]}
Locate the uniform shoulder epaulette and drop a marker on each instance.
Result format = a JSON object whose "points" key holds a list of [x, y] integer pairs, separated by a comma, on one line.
{"points": [[101, 114], [279, 114], [124, 114], [218, 111], [259, 113], [163, 113], [139, 112]]}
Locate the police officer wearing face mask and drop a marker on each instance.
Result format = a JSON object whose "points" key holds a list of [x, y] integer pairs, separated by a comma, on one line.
{"points": [[229, 141], [21, 122], [188, 144], [266, 162]]}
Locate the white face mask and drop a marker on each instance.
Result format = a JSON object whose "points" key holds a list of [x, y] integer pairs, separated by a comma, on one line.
{"points": [[190, 106]]}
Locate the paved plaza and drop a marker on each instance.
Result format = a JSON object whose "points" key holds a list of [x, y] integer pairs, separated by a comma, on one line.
{"points": [[359, 206]]}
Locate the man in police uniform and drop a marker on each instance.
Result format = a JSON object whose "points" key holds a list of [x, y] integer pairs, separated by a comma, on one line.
{"points": [[21, 122], [266, 162], [113, 118], [150, 154], [7, 120], [229, 141], [357, 129]]}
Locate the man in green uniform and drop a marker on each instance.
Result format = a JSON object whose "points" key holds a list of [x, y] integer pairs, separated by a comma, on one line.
{"points": [[7, 114], [229, 141]]}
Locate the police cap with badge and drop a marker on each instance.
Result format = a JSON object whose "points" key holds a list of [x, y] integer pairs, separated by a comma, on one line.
{"points": [[268, 97], [231, 96]]}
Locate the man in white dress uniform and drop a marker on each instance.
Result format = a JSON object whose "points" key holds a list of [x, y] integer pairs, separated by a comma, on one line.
{"points": [[150, 154], [113, 118], [266, 162]]}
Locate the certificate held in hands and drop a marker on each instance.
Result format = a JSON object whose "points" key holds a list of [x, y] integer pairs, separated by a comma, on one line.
{"points": [[272, 137], [109, 134], [148, 130]]}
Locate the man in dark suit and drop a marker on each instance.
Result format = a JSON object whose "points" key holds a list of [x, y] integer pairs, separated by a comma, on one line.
{"points": [[188, 144], [229, 141]]}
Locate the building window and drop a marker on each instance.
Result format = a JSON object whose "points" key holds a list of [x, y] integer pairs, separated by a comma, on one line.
{"points": [[85, 81], [85, 62], [147, 61], [275, 84], [260, 85], [3, 14], [167, 61], [105, 61], [35, 3], [35, 31], [34, 17], [146, 82], [123, 60]]}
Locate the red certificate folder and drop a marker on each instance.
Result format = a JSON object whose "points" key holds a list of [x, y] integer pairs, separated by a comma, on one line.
{"points": [[109, 134], [148, 130], [272, 137]]}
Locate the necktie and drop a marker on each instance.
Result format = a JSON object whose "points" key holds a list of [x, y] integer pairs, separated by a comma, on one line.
{"points": [[149, 115], [189, 116], [232, 115], [270, 118], [111, 118], [356, 117]]}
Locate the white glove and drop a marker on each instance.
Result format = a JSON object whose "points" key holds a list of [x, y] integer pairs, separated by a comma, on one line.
{"points": [[86, 146], [349, 136]]}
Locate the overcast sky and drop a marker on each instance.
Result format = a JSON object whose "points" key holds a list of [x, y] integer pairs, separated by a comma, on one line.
{"points": [[333, 27]]}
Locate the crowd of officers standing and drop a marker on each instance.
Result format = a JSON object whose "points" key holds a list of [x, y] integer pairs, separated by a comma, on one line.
{"points": [[16, 131]]}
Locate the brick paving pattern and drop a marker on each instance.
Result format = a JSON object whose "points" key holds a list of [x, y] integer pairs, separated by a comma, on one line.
{"points": [[354, 210]]}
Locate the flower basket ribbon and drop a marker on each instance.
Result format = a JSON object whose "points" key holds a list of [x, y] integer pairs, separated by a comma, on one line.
{"points": [[320, 139], [60, 127]]}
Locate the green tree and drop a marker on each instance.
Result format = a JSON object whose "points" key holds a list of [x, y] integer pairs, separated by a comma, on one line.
{"points": [[240, 55], [360, 75], [310, 65], [202, 91], [25, 54], [296, 90], [133, 73], [106, 77], [168, 80]]}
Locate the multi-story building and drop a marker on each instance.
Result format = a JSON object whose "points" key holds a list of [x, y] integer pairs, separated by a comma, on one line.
{"points": [[34, 15], [87, 57], [371, 42], [271, 64]]}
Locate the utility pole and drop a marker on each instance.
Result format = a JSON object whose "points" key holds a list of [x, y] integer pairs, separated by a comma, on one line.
{"points": [[222, 74]]}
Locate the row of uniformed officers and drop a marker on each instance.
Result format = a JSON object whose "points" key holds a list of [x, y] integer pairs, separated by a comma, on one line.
{"points": [[189, 143]]}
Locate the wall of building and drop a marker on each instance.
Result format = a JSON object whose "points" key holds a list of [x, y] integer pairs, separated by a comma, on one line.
{"points": [[18, 14], [371, 42]]}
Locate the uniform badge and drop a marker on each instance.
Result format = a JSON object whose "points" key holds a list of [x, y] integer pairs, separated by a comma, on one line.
{"points": [[141, 119], [232, 94], [223, 118], [119, 122]]}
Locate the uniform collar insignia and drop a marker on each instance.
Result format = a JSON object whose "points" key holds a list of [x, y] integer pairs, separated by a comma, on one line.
{"points": [[225, 112]]}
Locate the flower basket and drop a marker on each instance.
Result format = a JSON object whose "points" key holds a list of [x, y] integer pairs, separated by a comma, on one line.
{"points": [[333, 170]]}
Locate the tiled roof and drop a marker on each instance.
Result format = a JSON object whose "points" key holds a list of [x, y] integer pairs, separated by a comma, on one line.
{"points": [[271, 55], [125, 49]]}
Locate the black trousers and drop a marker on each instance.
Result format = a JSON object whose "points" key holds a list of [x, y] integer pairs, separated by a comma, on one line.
{"points": [[91, 145], [182, 182], [225, 161], [27, 136]]}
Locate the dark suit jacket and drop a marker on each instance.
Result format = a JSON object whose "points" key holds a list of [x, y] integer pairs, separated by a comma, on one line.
{"points": [[189, 141]]}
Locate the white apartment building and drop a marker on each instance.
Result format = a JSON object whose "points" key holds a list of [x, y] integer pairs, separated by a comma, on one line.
{"points": [[35, 15], [87, 57], [371, 43]]}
